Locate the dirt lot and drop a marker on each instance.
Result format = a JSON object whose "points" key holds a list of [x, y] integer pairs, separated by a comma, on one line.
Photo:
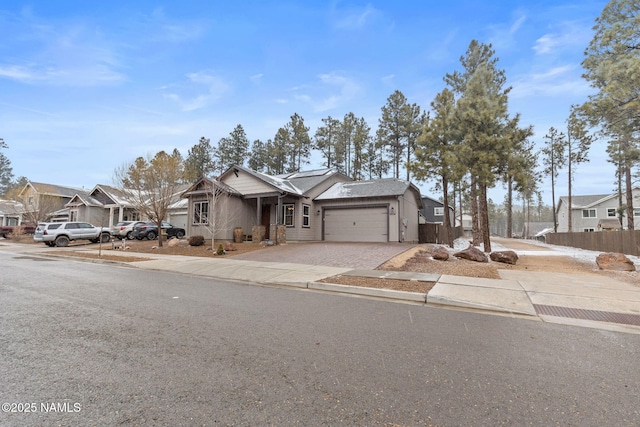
{"points": [[407, 261]]}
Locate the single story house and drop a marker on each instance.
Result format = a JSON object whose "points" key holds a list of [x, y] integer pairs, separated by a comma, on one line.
{"points": [[11, 213], [312, 205]]}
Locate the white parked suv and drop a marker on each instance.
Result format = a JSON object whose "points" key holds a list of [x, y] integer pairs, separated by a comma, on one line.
{"points": [[61, 233]]}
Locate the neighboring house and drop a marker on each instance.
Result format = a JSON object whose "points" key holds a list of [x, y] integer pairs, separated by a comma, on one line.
{"points": [[587, 211], [433, 211], [44, 202], [313, 205], [106, 206], [11, 213]]}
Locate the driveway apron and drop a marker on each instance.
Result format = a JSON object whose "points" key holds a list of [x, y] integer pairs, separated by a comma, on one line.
{"points": [[347, 255]]}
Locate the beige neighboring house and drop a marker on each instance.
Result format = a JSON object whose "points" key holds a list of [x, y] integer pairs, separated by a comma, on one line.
{"points": [[312, 205], [46, 202]]}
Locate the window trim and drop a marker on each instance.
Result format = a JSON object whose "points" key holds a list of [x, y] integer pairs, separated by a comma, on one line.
{"points": [[438, 208], [636, 212], [589, 230], [588, 211], [292, 215], [197, 213], [611, 211], [306, 216]]}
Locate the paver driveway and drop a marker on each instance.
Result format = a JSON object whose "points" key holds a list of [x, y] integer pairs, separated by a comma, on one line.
{"points": [[347, 255]]}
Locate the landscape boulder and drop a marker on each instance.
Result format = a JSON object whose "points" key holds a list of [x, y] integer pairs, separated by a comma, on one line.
{"points": [[440, 253], [172, 243], [506, 257], [472, 254], [614, 261]]}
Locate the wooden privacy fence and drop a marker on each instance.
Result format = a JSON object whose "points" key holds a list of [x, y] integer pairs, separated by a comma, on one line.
{"points": [[436, 233], [623, 241]]}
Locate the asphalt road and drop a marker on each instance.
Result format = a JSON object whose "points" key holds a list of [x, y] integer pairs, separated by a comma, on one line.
{"points": [[105, 345]]}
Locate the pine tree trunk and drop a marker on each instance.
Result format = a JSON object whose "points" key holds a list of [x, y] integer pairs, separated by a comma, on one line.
{"points": [[510, 207], [447, 218], [484, 219], [553, 201], [629, 193], [475, 228], [569, 216]]}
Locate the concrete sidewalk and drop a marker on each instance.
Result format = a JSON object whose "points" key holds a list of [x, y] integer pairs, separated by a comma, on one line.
{"points": [[577, 299]]}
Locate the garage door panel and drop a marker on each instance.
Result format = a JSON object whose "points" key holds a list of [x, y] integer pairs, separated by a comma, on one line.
{"points": [[356, 225]]}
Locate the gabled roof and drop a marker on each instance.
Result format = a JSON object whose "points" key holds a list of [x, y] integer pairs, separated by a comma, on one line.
{"points": [[307, 180], [297, 183], [11, 207], [388, 187], [84, 199], [582, 202], [197, 187], [438, 202], [52, 189]]}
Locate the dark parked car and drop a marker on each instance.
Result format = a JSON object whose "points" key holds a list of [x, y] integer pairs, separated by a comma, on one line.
{"points": [[149, 230]]}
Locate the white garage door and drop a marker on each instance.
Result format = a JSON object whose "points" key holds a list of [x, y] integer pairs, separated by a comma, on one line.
{"points": [[178, 220], [356, 225]]}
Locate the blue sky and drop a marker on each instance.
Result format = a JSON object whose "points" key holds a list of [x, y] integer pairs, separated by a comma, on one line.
{"points": [[88, 86]]}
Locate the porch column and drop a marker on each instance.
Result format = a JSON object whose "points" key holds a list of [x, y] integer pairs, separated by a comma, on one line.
{"points": [[120, 213], [110, 217], [259, 211]]}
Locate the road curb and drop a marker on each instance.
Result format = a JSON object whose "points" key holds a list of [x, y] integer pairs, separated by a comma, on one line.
{"points": [[371, 292]]}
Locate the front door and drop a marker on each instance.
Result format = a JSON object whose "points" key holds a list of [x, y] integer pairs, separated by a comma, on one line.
{"points": [[266, 220]]}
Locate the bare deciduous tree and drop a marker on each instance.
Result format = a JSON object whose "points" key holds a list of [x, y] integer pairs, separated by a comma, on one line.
{"points": [[152, 184]]}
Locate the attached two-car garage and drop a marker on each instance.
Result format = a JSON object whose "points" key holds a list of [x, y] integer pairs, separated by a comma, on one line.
{"points": [[363, 224]]}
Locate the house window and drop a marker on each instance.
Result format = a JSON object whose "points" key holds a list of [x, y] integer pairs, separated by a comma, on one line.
{"points": [[588, 213], [636, 212], [288, 212], [439, 211], [73, 216], [611, 212], [201, 213], [588, 230], [306, 216]]}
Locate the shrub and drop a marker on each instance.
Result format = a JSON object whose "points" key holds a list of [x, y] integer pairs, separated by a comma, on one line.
{"points": [[196, 240], [220, 250]]}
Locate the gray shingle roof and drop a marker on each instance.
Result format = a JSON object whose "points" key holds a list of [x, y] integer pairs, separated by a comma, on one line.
{"points": [[363, 189], [57, 190], [295, 183], [579, 202]]}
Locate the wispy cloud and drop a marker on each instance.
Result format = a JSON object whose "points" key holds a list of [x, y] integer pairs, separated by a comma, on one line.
{"points": [[571, 35], [503, 36], [354, 18], [563, 80], [62, 54], [214, 88], [330, 91], [162, 28]]}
